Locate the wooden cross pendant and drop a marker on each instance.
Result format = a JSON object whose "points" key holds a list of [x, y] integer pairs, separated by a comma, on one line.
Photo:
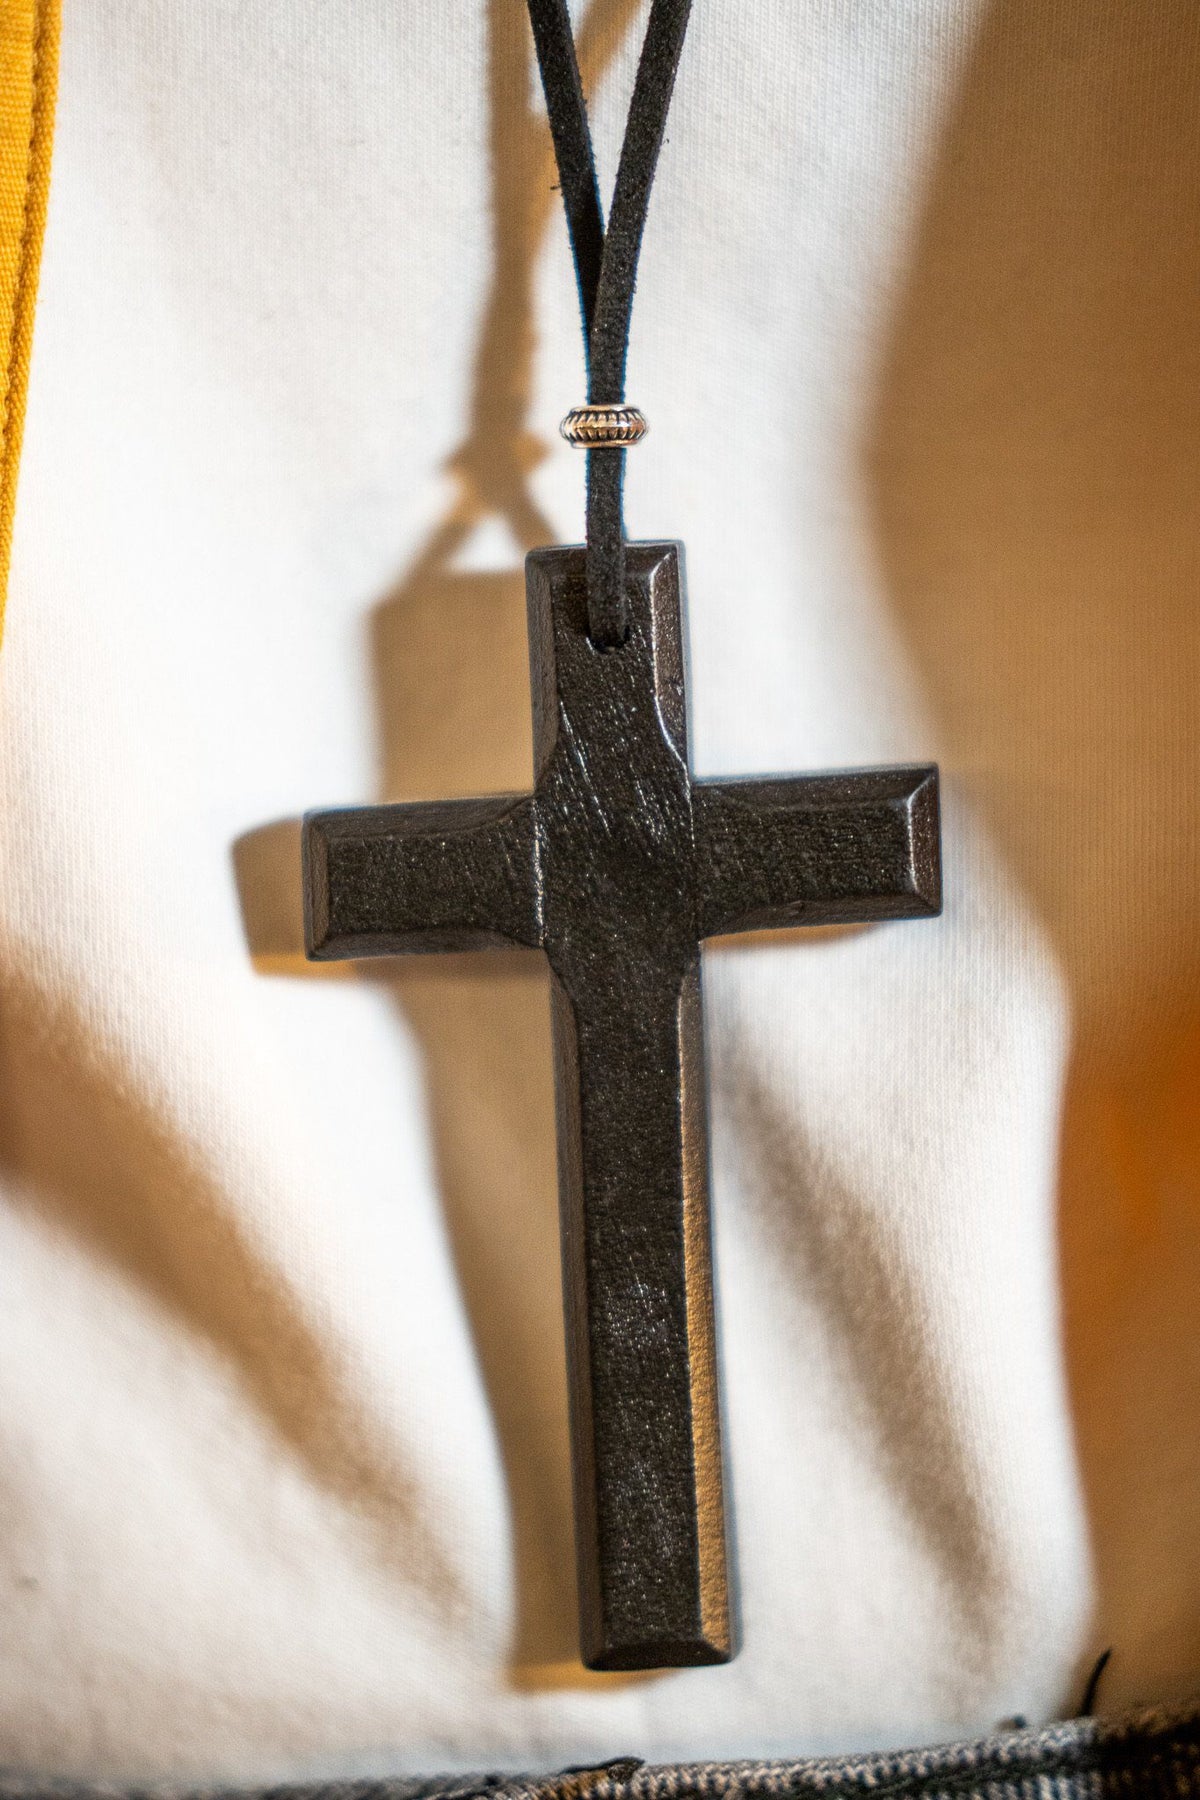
{"points": [[617, 865]]}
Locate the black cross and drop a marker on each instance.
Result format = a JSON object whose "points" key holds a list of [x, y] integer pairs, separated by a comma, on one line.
{"points": [[617, 865]]}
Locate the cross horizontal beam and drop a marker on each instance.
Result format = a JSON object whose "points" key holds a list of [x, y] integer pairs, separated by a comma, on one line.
{"points": [[841, 849], [444, 875]]}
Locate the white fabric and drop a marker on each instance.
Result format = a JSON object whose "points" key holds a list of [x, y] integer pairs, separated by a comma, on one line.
{"points": [[282, 1416]]}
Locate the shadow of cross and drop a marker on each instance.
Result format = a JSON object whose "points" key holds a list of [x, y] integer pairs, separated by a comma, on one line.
{"points": [[617, 865]]}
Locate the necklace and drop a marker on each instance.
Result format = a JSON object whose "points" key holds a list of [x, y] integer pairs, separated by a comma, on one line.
{"points": [[617, 866]]}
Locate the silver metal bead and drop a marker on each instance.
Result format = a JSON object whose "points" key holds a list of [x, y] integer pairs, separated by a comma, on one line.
{"points": [[604, 427]]}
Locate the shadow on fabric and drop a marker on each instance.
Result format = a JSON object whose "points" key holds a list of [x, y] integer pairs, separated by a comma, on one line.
{"points": [[97, 1156], [451, 666], [1034, 467]]}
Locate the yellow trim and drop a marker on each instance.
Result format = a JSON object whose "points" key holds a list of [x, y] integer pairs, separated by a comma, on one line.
{"points": [[29, 32]]}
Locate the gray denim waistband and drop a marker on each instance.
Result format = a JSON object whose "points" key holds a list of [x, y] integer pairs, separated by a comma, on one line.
{"points": [[1153, 1754]]}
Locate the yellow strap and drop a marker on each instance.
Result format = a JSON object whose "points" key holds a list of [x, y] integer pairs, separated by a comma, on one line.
{"points": [[28, 77]]}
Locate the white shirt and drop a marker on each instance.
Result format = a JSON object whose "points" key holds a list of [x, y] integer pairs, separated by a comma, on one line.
{"points": [[282, 1404]]}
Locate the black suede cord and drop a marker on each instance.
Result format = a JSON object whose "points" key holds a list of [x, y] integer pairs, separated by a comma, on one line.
{"points": [[567, 112], [606, 259]]}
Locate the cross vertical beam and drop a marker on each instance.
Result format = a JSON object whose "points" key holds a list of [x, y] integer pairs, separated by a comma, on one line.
{"points": [[615, 836]]}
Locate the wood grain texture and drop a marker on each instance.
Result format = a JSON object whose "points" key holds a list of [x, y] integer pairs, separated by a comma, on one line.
{"points": [[617, 866]]}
